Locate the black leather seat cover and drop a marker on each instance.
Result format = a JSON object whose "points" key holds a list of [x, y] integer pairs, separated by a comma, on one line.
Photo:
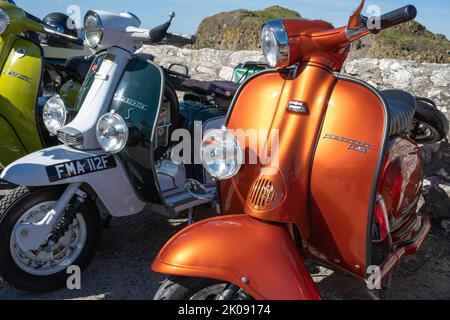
{"points": [[80, 66], [402, 107]]}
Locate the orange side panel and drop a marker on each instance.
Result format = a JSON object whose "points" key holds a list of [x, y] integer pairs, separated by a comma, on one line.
{"points": [[345, 175]]}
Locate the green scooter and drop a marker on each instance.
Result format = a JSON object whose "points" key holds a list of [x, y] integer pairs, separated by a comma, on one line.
{"points": [[27, 77]]}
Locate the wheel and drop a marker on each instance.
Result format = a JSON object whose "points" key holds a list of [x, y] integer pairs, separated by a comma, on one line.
{"points": [[183, 288], [430, 124], [44, 269]]}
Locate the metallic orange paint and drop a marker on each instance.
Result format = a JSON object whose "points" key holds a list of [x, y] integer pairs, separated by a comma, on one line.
{"points": [[342, 180], [236, 247], [335, 160]]}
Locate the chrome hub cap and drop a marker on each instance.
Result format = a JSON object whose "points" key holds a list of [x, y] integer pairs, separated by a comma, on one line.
{"points": [[49, 259]]}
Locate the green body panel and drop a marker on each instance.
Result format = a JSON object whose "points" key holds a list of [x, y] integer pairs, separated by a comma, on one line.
{"points": [[194, 111], [11, 147], [18, 24], [243, 72], [138, 100], [69, 93], [19, 87]]}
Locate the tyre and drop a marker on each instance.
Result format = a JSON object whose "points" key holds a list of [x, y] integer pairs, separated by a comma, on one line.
{"points": [[430, 124], [44, 269], [183, 288]]}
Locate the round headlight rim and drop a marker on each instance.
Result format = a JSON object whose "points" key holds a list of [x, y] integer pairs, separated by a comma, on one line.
{"points": [[7, 18], [126, 132], [279, 32], [239, 158], [52, 131], [101, 29]]}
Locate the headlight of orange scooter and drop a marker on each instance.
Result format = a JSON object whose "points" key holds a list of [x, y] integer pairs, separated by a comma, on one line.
{"points": [[221, 154], [275, 44], [4, 21]]}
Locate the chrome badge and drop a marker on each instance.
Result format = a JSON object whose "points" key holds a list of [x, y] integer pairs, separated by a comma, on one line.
{"points": [[297, 107], [353, 145]]}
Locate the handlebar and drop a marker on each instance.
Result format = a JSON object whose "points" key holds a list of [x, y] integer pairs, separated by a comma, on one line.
{"points": [[55, 33], [398, 16]]}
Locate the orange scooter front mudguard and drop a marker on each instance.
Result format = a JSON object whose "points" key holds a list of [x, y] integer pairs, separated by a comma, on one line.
{"points": [[259, 257]]}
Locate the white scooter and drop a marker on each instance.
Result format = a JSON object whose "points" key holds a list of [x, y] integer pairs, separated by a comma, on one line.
{"points": [[114, 151]]}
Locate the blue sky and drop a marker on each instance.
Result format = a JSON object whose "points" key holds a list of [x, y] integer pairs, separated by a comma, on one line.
{"points": [[435, 14]]}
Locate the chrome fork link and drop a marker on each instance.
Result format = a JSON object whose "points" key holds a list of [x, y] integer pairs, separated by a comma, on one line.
{"points": [[69, 216]]}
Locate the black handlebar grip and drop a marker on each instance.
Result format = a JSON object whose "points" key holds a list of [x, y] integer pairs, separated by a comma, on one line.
{"points": [[398, 16]]}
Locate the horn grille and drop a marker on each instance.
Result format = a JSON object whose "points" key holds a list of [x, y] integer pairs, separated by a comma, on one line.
{"points": [[262, 194]]}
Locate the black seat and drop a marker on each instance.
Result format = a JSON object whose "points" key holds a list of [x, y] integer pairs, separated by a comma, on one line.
{"points": [[79, 66], [402, 107], [222, 89]]}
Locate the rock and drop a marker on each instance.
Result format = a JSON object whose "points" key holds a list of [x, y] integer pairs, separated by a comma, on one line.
{"points": [[237, 29], [441, 78], [226, 73]]}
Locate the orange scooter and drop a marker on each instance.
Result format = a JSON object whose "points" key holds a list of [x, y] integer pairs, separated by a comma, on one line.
{"points": [[344, 192]]}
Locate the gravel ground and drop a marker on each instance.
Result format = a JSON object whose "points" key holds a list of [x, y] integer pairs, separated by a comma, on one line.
{"points": [[121, 269]]}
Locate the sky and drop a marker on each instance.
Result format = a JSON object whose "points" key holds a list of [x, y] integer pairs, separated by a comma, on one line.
{"points": [[434, 14]]}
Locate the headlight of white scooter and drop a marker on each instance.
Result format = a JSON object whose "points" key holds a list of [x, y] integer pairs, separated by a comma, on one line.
{"points": [[112, 132], [221, 154], [4, 21], [93, 29], [275, 44], [54, 114]]}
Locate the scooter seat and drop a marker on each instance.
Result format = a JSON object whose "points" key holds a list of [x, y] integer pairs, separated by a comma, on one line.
{"points": [[80, 66], [402, 107], [222, 89]]}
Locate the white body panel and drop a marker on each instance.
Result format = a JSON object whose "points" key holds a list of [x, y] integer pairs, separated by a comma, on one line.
{"points": [[99, 97], [112, 186]]}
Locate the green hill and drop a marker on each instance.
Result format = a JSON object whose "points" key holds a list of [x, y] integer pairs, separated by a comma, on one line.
{"points": [[237, 29], [240, 30]]}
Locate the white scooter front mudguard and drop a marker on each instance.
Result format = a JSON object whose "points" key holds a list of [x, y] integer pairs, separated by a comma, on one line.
{"points": [[63, 165]]}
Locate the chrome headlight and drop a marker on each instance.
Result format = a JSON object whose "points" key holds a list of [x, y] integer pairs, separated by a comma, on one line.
{"points": [[4, 21], [275, 44], [112, 132], [221, 154], [54, 114], [93, 29]]}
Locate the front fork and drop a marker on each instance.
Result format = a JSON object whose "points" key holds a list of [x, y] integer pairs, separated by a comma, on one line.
{"points": [[30, 236]]}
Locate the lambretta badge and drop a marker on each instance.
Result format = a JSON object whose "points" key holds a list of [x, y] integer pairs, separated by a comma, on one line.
{"points": [[354, 145], [18, 76], [131, 102]]}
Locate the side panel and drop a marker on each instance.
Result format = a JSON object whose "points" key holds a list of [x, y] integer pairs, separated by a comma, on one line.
{"points": [[19, 86], [236, 247], [345, 174], [138, 100], [11, 147]]}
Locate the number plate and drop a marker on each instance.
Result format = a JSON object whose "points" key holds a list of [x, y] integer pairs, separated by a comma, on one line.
{"points": [[81, 167]]}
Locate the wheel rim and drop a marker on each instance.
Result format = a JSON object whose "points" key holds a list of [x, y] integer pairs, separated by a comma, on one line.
{"points": [[209, 293], [49, 260], [422, 131]]}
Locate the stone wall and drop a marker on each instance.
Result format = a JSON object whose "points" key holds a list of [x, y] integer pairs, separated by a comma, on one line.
{"points": [[422, 79]]}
